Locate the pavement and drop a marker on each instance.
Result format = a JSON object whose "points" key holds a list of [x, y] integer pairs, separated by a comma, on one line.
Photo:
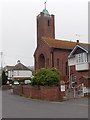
{"points": [[14, 106]]}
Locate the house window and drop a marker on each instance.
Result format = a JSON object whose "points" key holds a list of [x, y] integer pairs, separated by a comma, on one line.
{"points": [[85, 57], [18, 73], [82, 58], [58, 63]]}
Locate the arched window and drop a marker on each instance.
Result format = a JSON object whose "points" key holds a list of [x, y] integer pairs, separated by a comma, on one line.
{"points": [[48, 22]]}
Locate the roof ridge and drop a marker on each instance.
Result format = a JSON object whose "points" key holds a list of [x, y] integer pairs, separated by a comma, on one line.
{"points": [[43, 38], [17, 66], [61, 44]]}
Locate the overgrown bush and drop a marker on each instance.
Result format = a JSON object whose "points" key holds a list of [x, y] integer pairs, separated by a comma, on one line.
{"points": [[46, 77]]}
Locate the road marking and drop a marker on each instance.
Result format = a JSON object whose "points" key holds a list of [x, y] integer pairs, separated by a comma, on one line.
{"points": [[84, 105]]}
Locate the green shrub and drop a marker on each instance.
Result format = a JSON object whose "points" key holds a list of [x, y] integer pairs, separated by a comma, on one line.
{"points": [[46, 77], [20, 81], [10, 80]]}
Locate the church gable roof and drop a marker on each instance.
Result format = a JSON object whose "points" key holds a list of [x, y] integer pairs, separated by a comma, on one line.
{"points": [[63, 44], [59, 43]]}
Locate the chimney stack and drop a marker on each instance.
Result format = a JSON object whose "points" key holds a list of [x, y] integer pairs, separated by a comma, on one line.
{"points": [[77, 41], [18, 61]]}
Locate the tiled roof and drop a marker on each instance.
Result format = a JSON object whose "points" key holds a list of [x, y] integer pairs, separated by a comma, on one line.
{"points": [[86, 46], [63, 44], [9, 67], [83, 47], [20, 66]]}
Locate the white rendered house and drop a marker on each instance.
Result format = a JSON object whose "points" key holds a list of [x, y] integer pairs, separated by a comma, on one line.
{"points": [[19, 71]]}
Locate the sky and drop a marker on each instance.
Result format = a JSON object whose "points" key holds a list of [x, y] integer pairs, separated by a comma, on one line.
{"points": [[18, 26]]}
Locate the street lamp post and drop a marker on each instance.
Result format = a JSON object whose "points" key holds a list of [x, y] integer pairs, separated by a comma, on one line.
{"points": [[1, 53]]}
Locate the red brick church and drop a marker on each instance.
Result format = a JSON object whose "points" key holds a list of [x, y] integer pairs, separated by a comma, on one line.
{"points": [[51, 52]]}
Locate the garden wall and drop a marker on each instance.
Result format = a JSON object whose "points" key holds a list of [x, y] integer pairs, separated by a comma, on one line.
{"points": [[50, 93], [6, 87], [44, 93], [33, 92], [18, 90]]}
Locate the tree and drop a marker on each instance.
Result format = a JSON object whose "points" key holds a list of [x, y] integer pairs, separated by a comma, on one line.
{"points": [[0, 80], [4, 78], [46, 77]]}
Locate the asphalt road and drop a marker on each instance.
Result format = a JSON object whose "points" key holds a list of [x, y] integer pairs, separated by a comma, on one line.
{"points": [[0, 104], [14, 106]]}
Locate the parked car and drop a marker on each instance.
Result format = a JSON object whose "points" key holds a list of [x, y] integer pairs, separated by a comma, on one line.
{"points": [[16, 83], [32, 76], [27, 81]]}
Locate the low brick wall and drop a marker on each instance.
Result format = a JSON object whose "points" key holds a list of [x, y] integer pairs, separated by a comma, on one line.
{"points": [[50, 93], [86, 94], [45, 93], [6, 87], [18, 90], [33, 92]]}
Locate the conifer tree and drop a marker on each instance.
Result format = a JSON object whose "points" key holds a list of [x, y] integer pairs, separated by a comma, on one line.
{"points": [[4, 78]]}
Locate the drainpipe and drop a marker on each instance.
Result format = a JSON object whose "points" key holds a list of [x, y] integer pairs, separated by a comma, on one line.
{"points": [[69, 76]]}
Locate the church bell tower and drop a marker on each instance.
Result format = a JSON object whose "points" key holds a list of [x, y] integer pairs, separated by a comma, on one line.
{"points": [[45, 25]]}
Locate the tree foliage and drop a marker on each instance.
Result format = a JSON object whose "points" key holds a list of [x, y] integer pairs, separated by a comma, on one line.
{"points": [[4, 78], [46, 77], [0, 80]]}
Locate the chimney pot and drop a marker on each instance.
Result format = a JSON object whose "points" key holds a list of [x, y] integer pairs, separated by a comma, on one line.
{"points": [[77, 41], [18, 61]]}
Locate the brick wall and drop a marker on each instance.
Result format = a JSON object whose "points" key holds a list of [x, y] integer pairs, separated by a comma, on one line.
{"points": [[50, 93], [62, 55], [57, 54], [79, 75], [18, 90], [42, 27], [30, 91], [46, 51], [6, 87], [44, 93]]}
